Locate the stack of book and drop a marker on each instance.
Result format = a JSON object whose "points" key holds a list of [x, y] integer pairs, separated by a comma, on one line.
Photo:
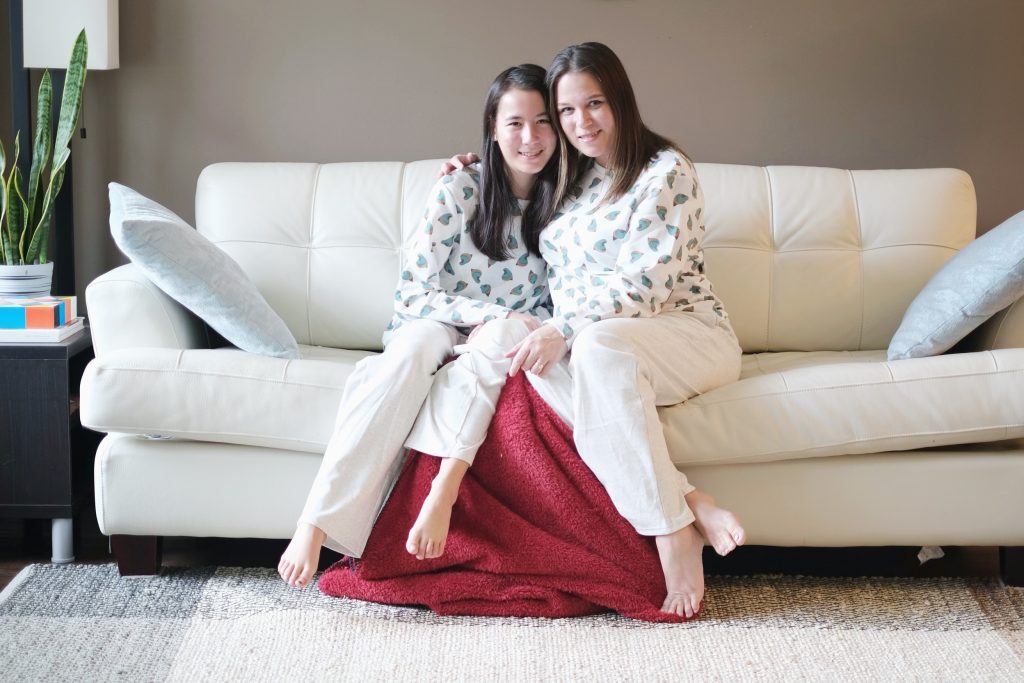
{"points": [[39, 319]]}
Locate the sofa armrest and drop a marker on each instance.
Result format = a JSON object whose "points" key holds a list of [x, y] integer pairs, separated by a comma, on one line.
{"points": [[1004, 330], [127, 310]]}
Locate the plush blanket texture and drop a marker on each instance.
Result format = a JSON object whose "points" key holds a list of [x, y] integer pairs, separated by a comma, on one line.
{"points": [[533, 533]]}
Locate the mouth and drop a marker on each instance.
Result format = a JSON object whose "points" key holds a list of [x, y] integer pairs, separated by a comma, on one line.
{"points": [[531, 155], [587, 137]]}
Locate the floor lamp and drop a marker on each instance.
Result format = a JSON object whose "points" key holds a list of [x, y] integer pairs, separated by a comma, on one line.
{"points": [[42, 35]]}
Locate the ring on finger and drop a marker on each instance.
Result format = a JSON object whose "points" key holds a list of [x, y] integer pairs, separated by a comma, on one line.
{"points": [[538, 367]]}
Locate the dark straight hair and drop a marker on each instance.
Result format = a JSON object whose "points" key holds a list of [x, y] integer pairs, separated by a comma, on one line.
{"points": [[498, 204], [634, 143]]}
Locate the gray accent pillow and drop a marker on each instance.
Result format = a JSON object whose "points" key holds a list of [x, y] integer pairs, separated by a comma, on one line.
{"points": [[985, 277], [194, 272]]}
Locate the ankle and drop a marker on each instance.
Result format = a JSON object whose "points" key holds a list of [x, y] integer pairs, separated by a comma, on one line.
{"points": [[443, 492], [315, 533], [699, 499]]}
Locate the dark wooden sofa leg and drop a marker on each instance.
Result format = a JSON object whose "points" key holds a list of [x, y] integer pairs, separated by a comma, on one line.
{"points": [[1011, 565], [137, 555]]}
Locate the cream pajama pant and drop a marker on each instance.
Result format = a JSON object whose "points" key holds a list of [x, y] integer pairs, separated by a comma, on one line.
{"points": [[609, 388], [456, 415], [379, 406]]}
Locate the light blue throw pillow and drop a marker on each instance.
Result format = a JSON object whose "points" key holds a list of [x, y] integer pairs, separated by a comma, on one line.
{"points": [[194, 272], [985, 277]]}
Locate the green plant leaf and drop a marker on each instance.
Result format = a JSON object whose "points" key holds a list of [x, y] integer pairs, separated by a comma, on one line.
{"points": [[70, 107], [71, 100], [40, 240], [41, 145], [3, 204], [40, 236], [17, 216], [13, 231]]}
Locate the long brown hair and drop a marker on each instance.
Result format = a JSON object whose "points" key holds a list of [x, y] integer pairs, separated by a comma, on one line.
{"points": [[498, 203], [634, 143]]}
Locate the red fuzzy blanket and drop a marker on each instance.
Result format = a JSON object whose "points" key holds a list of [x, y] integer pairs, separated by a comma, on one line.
{"points": [[533, 533]]}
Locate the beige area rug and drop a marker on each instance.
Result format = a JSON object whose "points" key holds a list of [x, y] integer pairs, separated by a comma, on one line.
{"points": [[85, 623]]}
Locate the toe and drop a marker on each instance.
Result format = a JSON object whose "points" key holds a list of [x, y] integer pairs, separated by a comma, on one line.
{"points": [[674, 605], [305, 577], [689, 607]]}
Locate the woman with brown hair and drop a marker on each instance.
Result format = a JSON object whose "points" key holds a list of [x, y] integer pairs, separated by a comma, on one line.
{"points": [[636, 322]]}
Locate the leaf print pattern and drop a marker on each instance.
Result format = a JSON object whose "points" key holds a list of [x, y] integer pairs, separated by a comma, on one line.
{"points": [[632, 257], [445, 278]]}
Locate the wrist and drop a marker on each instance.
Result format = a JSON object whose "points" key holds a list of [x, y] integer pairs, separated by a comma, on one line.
{"points": [[558, 325]]}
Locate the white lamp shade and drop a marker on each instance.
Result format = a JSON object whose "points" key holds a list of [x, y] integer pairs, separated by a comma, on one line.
{"points": [[51, 26]]}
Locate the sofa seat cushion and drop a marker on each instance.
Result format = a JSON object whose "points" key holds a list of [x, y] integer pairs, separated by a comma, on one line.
{"points": [[222, 395], [825, 403]]}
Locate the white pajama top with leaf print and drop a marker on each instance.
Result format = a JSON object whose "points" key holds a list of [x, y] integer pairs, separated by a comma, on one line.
{"points": [[635, 257], [447, 279]]}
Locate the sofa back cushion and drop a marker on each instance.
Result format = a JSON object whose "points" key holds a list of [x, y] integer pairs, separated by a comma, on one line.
{"points": [[804, 258]]}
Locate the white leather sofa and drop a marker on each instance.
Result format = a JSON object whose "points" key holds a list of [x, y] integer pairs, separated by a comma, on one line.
{"points": [[821, 442]]}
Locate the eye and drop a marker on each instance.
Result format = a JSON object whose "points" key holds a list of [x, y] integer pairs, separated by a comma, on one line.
{"points": [[565, 110], [594, 104], [545, 121]]}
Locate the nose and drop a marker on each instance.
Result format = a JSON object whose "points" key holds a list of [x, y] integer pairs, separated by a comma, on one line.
{"points": [[529, 133], [582, 118]]}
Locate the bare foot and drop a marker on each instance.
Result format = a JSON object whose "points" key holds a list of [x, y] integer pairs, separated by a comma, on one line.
{"points": [[681, 561], [718, 526], [300, 559], [430, 531]]}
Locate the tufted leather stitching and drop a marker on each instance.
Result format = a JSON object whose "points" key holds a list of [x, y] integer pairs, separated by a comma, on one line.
{"points": [[717, 459], [248, 438], [771, 270], [860, 237], [706, 402], [309, 255], [209, 373]]}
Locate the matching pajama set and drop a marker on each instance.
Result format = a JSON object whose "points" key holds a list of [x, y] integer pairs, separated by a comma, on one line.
{"points": [[643, 326], [446, 288]]}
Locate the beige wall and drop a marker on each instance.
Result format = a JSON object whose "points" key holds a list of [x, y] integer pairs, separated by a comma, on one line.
{"points": [[844, 83]]}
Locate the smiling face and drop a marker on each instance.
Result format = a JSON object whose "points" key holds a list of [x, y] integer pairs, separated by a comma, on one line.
{"points": [[523, 131], [585, 115]]}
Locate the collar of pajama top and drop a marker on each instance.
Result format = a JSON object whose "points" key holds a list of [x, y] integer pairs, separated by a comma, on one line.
{"points": [[635, 257], [446, 278]]}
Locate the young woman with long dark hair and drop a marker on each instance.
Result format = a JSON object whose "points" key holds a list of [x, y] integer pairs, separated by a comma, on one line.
{"points": [[634, 313], [472, 274]]}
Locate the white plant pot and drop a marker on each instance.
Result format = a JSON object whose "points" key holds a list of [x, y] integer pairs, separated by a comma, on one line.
{"points": [[23, 281]]}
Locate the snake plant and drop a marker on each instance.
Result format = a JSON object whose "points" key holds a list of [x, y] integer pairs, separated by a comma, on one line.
{"points": [[26, 212]]}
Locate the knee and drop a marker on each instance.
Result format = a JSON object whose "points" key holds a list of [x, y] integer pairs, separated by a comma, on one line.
{"points": [[422, 347], [502, 334], [603, 342]]}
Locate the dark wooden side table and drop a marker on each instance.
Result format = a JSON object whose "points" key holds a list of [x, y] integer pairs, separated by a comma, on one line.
{"points": [[45, 455]]}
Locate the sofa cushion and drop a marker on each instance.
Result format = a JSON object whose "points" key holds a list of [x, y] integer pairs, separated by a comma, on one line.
{"points": [[803, 405], [221, 395], [984, 278], [195, 273]]}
